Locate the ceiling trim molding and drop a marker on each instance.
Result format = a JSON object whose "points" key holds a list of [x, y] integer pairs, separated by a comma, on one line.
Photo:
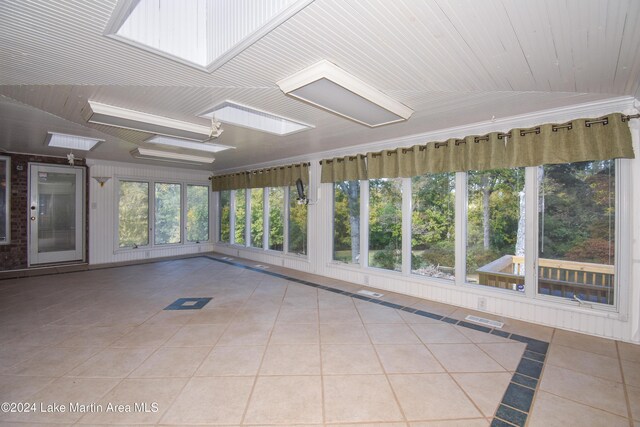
{"points": [[559, 115], [142, 166]]}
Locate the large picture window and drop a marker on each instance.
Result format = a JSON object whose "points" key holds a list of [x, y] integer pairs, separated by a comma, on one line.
{"points": [[197, 213], [241, 217], [385, 223], [133, 214], [224, 216], [276, 218], [576, 231], [433, 201], [257, 220], [297, 223], [346, 221], [496, 228], [168, 214]]}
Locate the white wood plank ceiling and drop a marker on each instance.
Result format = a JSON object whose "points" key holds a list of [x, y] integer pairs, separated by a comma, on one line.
{"points": [[453, 62]]}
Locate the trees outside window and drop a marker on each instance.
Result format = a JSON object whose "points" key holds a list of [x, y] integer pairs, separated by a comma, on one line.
{"points": [[495, 228], [197, 213], [297, 223], [257, 220], [168, 214], [224, 216], [346, 221], [133, 214], [433, 202], [241, 216], [276, 219], [576, 230], [385, 223]]}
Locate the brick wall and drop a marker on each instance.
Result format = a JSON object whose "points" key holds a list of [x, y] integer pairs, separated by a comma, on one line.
{"points": [[14, 255]]}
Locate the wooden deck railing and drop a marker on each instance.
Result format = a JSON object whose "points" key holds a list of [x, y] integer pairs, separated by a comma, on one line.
{"points": [[589, 282]]}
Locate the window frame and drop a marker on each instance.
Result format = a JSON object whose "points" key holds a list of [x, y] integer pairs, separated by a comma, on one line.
{"points": [[151, 213], [181, 210], [185, 211], [622, 237], [265, 215], [7, 200]]}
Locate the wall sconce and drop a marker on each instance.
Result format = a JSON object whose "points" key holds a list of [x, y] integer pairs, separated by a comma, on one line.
{"points": [[102, 179]]}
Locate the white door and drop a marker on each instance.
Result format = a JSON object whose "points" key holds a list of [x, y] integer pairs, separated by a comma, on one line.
{"points": [[56, 214]]}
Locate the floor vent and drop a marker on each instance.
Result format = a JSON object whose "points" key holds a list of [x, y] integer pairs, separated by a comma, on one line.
{"points": [[227, 258], [261, 266], [486, 322], [370, 294]]}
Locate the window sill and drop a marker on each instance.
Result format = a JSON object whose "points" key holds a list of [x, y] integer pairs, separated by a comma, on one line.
{"points": [[269, 252], [156, 248], [479, 290]]}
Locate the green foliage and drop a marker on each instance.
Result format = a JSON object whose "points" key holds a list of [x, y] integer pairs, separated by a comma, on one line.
{"points": [[346, 220], [133, 212], [276, 219], [578, 216], [225, 215], [197, 213], [241, 214], [168, 213], [257, 218], [385, 222], [297, 224], [433, 222], [501, 188]]}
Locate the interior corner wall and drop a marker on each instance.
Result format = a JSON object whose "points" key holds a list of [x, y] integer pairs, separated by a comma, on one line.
{"points": [[103, 202], [15, 255]]}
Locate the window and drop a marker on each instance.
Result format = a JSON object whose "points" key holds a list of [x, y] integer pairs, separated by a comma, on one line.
{"points": [[576, 226], [168, 213], [496, 228], [197, 213], [346, 221], [133, 214], [385, 223], [224, 216], [5, 197], [241, 217], [433, 201], [276, 218], [297, 223], [257, 220]]}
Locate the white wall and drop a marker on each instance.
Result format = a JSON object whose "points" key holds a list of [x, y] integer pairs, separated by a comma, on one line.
{"points": [[623, 324], [103, 207]]}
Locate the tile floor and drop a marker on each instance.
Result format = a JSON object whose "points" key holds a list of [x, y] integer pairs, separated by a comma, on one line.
{"points": [[270, 351]]}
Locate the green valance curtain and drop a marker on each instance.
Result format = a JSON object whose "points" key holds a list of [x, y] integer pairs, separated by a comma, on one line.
{"points": [[349, 168], [281, 176], [603, 138]]}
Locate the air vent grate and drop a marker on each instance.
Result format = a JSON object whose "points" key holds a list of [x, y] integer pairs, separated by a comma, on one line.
{"points": [[371, 294], [483, 321]]}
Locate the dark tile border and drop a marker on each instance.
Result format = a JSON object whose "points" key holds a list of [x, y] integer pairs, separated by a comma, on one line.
{"points": [[518, 398]]}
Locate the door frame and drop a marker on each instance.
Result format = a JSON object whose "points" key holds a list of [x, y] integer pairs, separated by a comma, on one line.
{"points": [[31, 239]]}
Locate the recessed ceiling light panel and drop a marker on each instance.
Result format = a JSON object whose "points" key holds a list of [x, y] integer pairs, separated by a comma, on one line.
{"points": [[190, 145], [329, 87], [252, 118], [168, 156], [109, 115], [72, 142]]}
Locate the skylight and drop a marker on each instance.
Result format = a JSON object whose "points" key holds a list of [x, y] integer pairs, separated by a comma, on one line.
{"points": [[72, 142], [190, 145], [249, 117], [169, 156], [204, 33]]}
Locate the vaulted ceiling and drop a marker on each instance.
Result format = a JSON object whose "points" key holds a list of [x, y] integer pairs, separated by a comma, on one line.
{"points": [[453, 62]]}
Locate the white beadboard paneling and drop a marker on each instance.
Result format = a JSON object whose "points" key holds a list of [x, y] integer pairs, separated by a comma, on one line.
{"points": [[102, 208]]}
